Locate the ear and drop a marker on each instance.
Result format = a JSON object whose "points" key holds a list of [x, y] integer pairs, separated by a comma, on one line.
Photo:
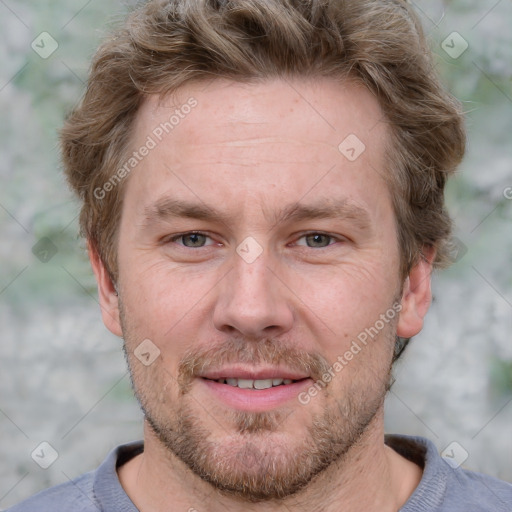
{"points": [[109, 301], [416, 296]]}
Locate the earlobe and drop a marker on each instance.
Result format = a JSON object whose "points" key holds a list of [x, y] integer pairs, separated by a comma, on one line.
{"points": [[107, 293], [416, 296]]}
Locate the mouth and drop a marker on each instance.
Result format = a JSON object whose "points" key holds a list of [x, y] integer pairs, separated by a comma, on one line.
{"points": [[257, 384], [254, 391]]}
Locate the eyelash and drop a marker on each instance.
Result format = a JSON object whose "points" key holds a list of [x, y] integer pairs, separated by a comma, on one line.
{"points": [[175, 238]]}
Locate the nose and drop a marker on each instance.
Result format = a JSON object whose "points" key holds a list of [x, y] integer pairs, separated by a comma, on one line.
{"points": [[253, 301]]}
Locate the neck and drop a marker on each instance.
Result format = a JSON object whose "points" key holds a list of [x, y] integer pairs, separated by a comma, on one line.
{"points": [[371, 477]]}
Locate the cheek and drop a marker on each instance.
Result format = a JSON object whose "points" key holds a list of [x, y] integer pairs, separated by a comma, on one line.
{"points": [[364, 361], [353, 294], [168, 307], [361, 329], [162, 291]]}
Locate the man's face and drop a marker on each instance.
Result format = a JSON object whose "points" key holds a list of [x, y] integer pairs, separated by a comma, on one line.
{"points": [[252, 253]]}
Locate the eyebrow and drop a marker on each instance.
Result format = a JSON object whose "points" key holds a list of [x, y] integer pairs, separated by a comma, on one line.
{"points": [[325, 209], [165, 209]]}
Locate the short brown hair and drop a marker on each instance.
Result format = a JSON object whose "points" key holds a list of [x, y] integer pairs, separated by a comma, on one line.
{"points": [[167, 44]]}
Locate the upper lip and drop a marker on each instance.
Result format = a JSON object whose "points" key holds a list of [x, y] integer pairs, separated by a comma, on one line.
{"points": [[239, 372]]}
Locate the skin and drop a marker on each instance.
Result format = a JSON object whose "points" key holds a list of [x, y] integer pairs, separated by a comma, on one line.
{"points": [[250, 151]]}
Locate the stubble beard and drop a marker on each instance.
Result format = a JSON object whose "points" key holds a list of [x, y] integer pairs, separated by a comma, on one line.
{"points": [[252, 463]]}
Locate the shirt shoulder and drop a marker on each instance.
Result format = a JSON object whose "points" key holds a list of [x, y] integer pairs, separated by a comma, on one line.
{"points": [[467, 490], [97, 491], [76, 495], [445, 488]]}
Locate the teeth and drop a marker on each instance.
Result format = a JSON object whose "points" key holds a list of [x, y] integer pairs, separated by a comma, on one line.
{"points": [[254, 384], [262, 384], [245, 383]]}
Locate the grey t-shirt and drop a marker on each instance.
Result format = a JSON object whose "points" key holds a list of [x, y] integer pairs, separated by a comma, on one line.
{"points": [[442, 488]]}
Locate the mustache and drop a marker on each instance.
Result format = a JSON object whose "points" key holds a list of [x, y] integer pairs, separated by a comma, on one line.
{"points": [[268, 351]]}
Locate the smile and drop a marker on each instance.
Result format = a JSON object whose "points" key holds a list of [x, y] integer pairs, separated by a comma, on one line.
{"points": [[258, 384], [255, 393]]}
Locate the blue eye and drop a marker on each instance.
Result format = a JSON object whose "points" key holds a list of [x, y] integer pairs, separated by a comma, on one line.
{"points": [[191, 240], [195, 239], [317, 240]]}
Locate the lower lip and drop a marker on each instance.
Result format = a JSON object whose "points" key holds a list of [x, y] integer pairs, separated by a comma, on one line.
{"points": [[256, 400]]}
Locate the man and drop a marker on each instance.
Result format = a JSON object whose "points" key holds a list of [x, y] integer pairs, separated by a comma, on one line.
{"points": [[262, 187]]}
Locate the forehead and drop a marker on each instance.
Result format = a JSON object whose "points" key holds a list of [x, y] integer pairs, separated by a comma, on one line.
{"points": [[227, 142], [331, 108]]}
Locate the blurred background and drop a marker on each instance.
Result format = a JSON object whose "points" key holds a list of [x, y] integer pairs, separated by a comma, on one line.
{"points": [[62, 374]]}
